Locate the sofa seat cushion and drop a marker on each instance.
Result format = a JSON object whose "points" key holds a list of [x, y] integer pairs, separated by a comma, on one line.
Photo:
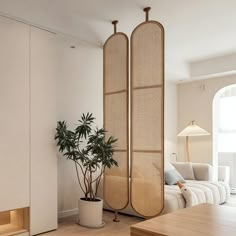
{"points": [[174, 199], [211, 193], [203, 192], [215, 192]]}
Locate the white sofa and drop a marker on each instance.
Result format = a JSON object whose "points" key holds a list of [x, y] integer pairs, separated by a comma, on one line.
{"points": [[199, 179], [204, 189]]}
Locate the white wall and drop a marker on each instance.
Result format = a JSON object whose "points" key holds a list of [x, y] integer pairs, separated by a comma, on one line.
{"points": [[80, 90], [195, 103], [171, 118]]}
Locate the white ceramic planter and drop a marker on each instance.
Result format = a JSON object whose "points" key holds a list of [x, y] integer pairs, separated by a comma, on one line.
{"points": [[90, 213]]}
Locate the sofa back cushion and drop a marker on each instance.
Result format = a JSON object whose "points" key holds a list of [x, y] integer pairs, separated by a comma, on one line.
{"points": [[202, 172], [185, 169]]}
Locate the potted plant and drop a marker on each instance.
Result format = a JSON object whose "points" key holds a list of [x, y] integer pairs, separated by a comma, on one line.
{"points": [[91, 153]]}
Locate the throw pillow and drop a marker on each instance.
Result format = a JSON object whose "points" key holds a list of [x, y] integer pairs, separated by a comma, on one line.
{"points": [[187, 194], [185, 168], [173, 176]]}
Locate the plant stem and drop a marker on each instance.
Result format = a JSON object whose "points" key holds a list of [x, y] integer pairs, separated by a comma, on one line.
{"points": [[102, 171], [86, 186], [77, 172], [80, 166], [99, 179]]}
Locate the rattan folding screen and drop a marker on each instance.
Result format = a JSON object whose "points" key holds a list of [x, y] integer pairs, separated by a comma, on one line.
{"points": [[146, 118], [116, 96]]}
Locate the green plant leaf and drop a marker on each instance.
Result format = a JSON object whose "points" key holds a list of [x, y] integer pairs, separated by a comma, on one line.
{"points": [[87, 147]]}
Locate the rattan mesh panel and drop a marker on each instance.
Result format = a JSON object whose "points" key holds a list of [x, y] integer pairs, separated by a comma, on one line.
{"points": [[147, 55], [147, 183], [147, 118], [116, 180], [116, 118], [116, 183], [116, 59]]}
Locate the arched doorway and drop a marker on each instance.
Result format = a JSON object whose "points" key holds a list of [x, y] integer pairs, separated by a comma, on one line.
{"points": [[224, 130]]}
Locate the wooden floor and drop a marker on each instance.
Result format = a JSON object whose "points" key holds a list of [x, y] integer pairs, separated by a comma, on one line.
{"points": [[68, 227]]}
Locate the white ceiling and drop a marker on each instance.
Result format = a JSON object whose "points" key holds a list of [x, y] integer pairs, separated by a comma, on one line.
{"points": [[195, 30]]}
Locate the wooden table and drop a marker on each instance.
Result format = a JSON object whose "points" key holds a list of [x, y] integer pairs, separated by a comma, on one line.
{"points": [[203, 219]]}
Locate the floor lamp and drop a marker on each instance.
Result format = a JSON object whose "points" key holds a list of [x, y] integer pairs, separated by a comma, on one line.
{"points": [[192, 130]]}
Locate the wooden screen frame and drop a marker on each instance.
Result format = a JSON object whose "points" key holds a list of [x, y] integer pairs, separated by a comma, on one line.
{"points": [[132, 88], [126, 91]]}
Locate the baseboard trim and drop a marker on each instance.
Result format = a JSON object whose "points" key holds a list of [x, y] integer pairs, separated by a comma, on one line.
{"points": [[67, 213]]}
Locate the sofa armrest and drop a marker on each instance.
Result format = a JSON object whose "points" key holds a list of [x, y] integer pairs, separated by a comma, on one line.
{"points": [[203, 172], [224, 174]]}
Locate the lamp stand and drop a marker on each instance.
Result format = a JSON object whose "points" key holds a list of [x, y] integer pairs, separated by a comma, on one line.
{"points": [[187, 148]]}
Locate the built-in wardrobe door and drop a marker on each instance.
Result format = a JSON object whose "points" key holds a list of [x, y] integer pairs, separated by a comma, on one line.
{"points": [[14, 114], [43, 75]]}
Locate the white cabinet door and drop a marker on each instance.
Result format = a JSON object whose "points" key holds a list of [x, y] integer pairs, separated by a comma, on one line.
{"points": [[14, 114], [43, 78]]}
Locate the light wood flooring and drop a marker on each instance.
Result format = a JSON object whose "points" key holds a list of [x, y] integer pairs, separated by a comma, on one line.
{"points": [[68, 226]]}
